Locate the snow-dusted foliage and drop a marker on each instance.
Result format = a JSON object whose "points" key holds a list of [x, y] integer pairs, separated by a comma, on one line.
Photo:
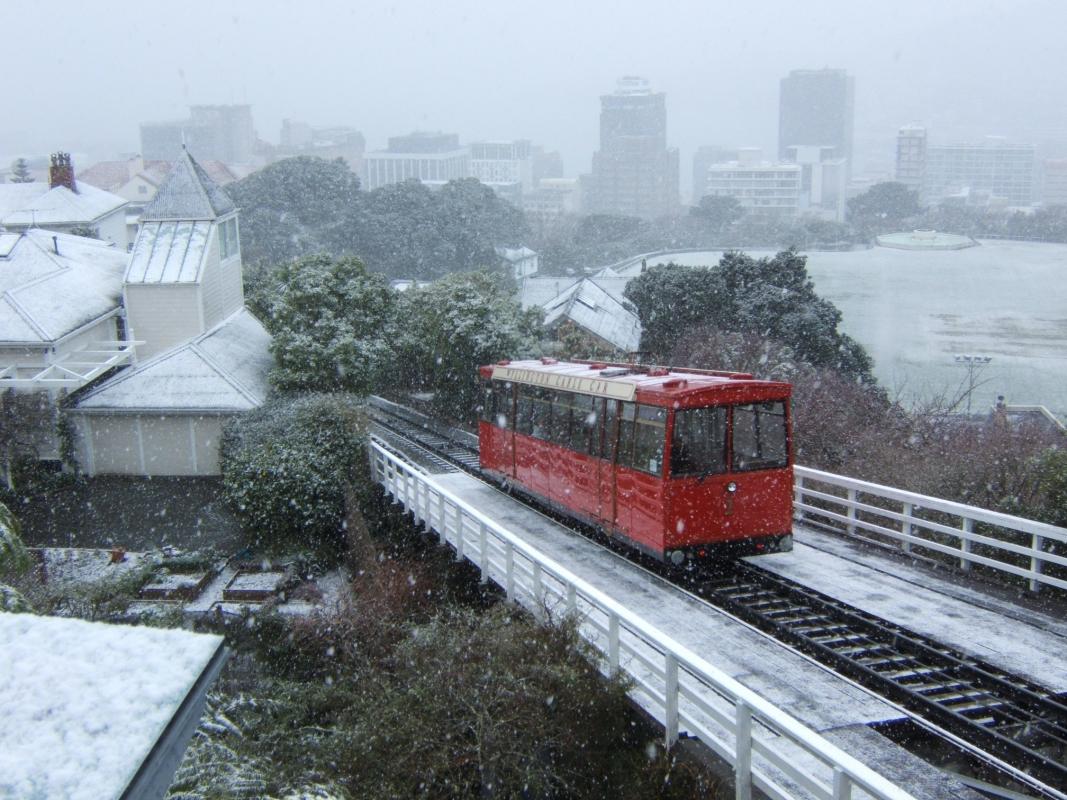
{"points": [[768, 297], [14, 559], [286, 464], [328, 319], [454, 325], [12, 600]]}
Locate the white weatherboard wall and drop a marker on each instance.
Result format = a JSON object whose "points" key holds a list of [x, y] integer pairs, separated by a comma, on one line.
{"points": [[221, 288], [149, 444], [162, 315]]}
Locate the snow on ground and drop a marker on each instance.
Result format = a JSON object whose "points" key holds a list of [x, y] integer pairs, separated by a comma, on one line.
{"points": [[69, 565], [915, 311], [83, 703]]}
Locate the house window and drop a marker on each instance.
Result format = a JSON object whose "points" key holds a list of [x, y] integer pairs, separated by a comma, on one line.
{"points": [[228, 243]]}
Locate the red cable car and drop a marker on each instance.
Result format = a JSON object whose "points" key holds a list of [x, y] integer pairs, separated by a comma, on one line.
{"points": [[682, 464]]}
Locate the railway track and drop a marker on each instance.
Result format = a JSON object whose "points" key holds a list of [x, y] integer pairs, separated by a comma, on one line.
{"points": [[990, 712]]}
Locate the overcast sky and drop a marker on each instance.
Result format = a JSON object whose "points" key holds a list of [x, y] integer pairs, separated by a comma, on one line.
{"points": [[82, 76]]}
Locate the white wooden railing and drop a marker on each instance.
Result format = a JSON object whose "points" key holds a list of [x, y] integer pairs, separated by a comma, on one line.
{"points": [[869, 510], [767, 748]]}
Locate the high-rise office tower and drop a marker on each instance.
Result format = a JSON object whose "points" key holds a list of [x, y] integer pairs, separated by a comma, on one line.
{"points": [[634, 172], [815, 108]]}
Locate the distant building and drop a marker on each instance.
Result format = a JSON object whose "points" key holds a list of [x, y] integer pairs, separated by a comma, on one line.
{"points": [[63, 205], [503, 163], [339, 141], [219, 133], [816, 108], [704, 157], [761, 187], [426, 157], [1054, 187], [553, 197], [522, 262], [995, 169], [823, 181], [911, 158], [601, 319], [634, 172]]}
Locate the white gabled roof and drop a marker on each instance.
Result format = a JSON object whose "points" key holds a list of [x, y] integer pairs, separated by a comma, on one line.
{"points": [[223, 370], [45, 295], [188, 193], [36, 204], [598, 311], [87, 706], [169, 252]]}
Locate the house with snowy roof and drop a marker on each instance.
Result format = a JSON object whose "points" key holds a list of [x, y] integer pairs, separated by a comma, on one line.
{"points": [[202, 357], [521, 261], [595, 313], [60, 310], [63, 205]]}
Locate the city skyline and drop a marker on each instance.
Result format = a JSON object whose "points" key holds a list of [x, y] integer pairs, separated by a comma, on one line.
{"points": [[425, 70]]}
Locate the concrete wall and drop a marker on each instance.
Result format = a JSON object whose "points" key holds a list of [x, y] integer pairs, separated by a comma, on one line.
{"points": [[148, 444], [162, 315]]}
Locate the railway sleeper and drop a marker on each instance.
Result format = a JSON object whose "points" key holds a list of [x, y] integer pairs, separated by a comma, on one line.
{"points": [[835, 641]]}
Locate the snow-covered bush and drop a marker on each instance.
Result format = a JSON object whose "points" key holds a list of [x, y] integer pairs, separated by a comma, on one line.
{"points": [[285, 467], [12, 601], [14, 559]]}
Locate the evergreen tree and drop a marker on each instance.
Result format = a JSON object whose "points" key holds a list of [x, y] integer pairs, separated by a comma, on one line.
{"points": [[20, 172]]}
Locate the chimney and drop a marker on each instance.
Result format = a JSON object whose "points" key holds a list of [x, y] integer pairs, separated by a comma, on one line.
{"points": [[61, 173]]}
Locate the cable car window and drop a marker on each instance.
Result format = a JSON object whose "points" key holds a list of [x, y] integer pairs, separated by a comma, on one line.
{"points": [[626, 435], [698, 446], [609, 430], [502, 410], [584, 424], [650, 437], [760, 436], [561, 418], [541, 416], [524, 411]]}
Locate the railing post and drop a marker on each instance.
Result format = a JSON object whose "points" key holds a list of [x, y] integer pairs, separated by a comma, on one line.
{"points": [[798, 496], [852, 495], [965, 544], [459, 532], [842, 785], [442, 535], [613, 642], [483, 549], [509, 570], [670, 699], [742, 751], [538, 589], [1037, 563], [905, 526], [572, 599]]}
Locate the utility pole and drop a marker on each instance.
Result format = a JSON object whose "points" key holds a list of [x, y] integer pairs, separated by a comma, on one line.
{"points": [[974, 365]]}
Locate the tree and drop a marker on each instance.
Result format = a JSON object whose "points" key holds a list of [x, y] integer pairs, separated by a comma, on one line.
{"points": [[448, 329], [285, 467], [328, 319], [717, 212], [769, 297], [883, 208], [20, 172], [26, 420], [294, 207], [14, 561]]}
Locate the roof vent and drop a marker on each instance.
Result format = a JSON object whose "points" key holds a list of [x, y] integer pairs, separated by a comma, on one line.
{"points": [[675, 383], [548, 361], [614, 372], [598, 365], [658, 372]]}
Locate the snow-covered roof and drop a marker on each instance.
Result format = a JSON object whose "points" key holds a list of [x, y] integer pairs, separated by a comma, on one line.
{"points": [[169, 252], [596, 310], [514, 254], [188, 193], [223, 370], [45, 295], [84, 704], [35, 204], [538, 291]]}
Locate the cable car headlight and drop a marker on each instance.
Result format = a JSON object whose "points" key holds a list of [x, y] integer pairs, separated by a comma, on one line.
{"points": [[731, 487]]}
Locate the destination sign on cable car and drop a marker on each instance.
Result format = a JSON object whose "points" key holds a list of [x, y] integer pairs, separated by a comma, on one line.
{"points": [[600, 387]]}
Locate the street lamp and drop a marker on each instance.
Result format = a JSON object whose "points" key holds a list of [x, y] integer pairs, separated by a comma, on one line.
{"points": [[974, 365]]}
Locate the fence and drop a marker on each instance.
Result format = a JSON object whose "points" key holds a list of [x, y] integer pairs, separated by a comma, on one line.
{"points": [[960, 533], [685, 692]]}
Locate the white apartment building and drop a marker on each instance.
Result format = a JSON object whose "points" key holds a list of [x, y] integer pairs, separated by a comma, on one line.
{"points": [[759, 186]]}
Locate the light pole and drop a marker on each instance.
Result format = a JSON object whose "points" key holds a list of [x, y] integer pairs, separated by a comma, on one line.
{"points": [[974, 365]]}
